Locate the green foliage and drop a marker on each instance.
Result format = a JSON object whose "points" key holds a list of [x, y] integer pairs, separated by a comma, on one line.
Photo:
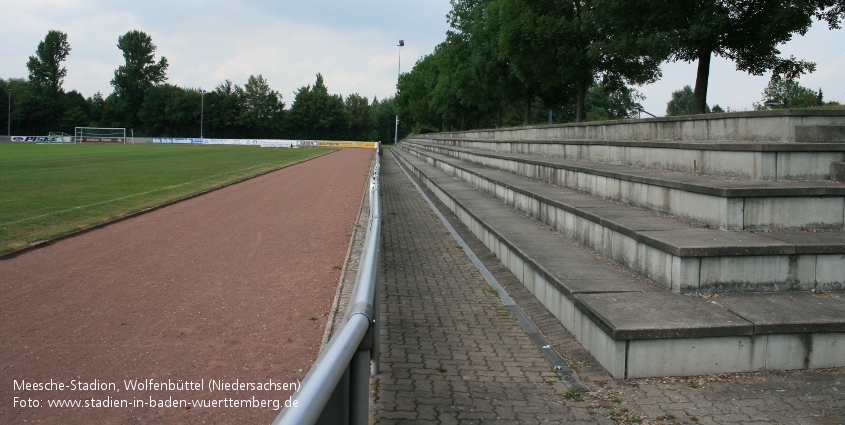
{"points": [[360, 118], [139, 73], [384, 115], [790, 94], [745, 32], [503, 56], [46, 72], [681, 102], [604, 104], [261, 106], [143, 102], [316, 114]]}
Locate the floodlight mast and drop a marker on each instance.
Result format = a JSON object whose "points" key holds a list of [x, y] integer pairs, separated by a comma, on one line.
{"points": [[398, 74], [202, 110]]}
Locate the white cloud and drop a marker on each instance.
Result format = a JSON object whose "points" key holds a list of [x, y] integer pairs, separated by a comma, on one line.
{"points": [[352, 43]]}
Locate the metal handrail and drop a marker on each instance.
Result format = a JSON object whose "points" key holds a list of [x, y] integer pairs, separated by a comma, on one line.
{"points": [[336, 389]]}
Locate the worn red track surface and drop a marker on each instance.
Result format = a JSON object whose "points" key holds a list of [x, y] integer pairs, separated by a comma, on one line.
{"points": [[224, 286]]}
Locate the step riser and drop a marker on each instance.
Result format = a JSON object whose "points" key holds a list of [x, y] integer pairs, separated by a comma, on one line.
{"points": [[677, 273], [753, 165], [646, 358], [820, 134], [756, 213]]}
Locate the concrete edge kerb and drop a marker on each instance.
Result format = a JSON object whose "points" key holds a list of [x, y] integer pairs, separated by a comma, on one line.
{"points": [[42, 244]]}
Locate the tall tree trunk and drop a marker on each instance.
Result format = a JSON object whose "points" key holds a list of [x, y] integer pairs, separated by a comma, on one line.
{"points": [[699, 98], [580, 114]]}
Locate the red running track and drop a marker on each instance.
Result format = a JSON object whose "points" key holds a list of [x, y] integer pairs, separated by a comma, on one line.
{"points": [[225, 286]]}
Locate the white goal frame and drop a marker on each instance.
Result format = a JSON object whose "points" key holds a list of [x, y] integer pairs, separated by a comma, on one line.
{"points": [[99, 135]]}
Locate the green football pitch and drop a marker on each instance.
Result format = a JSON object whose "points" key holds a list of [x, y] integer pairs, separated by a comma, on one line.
{"points": [[51, 190]]}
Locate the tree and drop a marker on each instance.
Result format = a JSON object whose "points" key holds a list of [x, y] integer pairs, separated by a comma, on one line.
{"points": [[682, 102], [360, 117], [414, 95], [482, 78], [384, 114], [261, 107], [223, 110], [46, 72], [747, 32], [153, 114], [603, 104], [563, 47], [95, 109], [791, 94], [316, 114], [140, 71]]}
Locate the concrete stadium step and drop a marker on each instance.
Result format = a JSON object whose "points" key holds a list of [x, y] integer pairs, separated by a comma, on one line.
{"points": [[633, 327], [759, 145], [677, 254], [729, 204], [746, 160]]}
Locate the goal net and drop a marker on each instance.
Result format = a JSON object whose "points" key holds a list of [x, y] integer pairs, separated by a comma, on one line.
{"points": [[99, 135]]}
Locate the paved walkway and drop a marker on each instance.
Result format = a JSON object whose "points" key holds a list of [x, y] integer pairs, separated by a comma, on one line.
{"points": [[452, 353]]}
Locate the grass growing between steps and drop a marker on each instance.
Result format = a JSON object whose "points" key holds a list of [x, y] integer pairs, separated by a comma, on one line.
{"points": [[50, 190]]}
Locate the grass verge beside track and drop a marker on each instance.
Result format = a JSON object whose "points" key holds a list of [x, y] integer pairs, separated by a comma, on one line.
{"points": [[50, 190]]}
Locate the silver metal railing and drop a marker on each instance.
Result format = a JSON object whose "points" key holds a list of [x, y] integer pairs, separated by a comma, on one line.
{"points": [[336, 389]]}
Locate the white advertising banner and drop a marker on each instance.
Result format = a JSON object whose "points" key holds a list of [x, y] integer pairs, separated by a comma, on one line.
{"points": [[267, 143], [177, 140], [35, 138]]}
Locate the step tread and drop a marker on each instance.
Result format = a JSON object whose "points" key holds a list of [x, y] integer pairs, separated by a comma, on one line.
{"points": [[667, 233], [622, 304], [710, 185], [787, 312]]}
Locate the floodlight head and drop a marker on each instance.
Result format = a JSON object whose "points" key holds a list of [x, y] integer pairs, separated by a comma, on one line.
{"points": [[401, 43], [773, 102]]}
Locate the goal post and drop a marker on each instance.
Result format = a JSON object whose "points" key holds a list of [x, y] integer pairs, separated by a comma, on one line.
{"points": [[99, 135]]}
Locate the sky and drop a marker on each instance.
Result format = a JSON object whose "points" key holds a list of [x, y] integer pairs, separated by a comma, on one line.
{"points": [[352, 43]]}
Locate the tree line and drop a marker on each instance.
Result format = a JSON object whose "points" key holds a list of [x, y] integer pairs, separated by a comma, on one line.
{"points": [[506, 62], [143, 101]]}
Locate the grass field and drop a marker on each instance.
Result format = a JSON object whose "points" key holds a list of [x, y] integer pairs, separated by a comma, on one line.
{"points": [[51, 190]]}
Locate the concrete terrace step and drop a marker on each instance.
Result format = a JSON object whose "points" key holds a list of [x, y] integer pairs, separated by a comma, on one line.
{"points": [[632, 326], [747, 160], [677, 254], [729, 204]]}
